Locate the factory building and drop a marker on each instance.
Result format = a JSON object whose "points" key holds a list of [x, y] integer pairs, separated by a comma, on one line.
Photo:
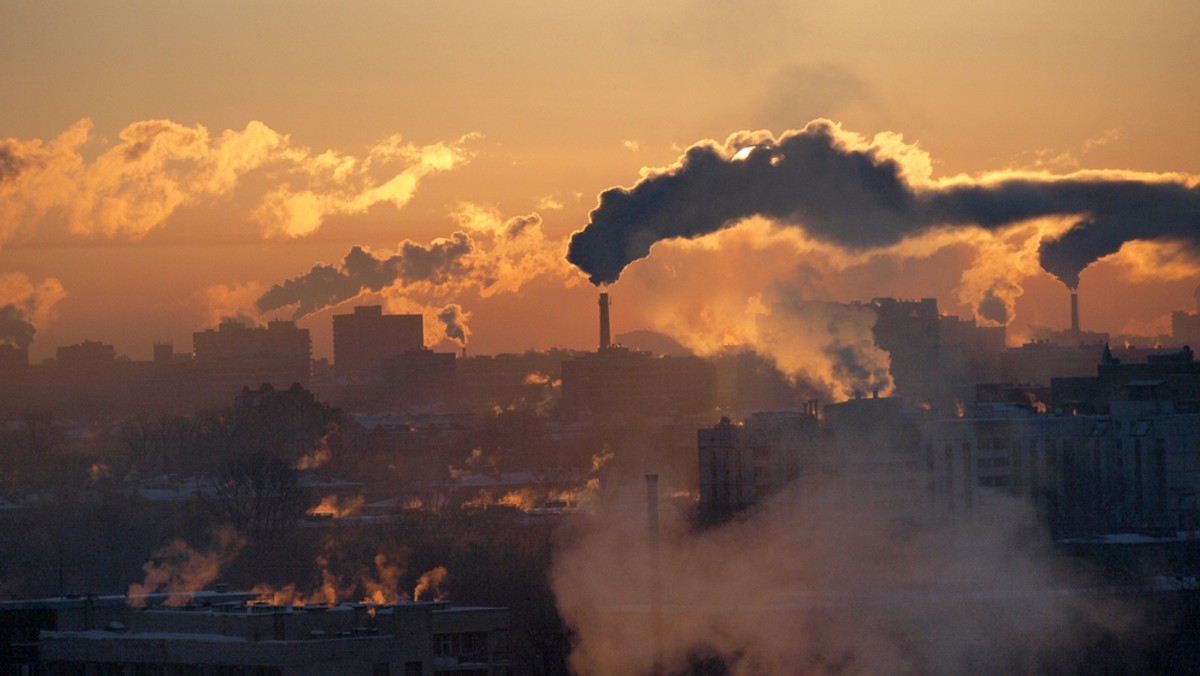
{"points": [[618, 380], [235, 633]]}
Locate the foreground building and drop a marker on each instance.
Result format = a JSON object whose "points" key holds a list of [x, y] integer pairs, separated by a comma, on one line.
{"points": [[233, 633]]}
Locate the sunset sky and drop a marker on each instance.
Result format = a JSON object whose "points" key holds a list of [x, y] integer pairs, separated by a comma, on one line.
{"points": [[165, 164]]}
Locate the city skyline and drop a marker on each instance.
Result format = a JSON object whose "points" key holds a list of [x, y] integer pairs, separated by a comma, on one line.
{"points": [[219, 153]]}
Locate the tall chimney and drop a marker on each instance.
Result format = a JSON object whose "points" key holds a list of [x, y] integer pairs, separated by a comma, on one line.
{"points": [[604, 337], [1074, 312], [656, 615]]}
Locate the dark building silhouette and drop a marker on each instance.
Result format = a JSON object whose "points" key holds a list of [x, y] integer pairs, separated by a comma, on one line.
{"points": [[90, 355], [364, 340], [236, 355], [618, 380], [935, 359], [235, 633], [743, 463]]}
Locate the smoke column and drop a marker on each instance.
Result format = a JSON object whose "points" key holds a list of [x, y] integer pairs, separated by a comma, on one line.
{"points": [[862, 197], [14, 327]]}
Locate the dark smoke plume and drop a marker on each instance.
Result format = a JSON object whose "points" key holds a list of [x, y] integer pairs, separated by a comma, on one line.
{"points": [[10, 163], [361, 270], [860, 199], [455, 319], [14, 327]]}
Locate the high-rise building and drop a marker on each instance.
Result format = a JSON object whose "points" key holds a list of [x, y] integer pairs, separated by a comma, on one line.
{"points": [[365, 340], [236, 355]]}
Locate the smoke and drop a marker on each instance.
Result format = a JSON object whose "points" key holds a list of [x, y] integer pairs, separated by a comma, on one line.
{"points": [[865, 195], [809, 584], [24, 305], [156, 167], [431, 583], [14, 328], [756, 287], [180, 570], [439, 263], [454, 318], [238, 299]]}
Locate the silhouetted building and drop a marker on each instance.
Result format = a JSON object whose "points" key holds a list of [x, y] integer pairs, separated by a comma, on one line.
{"points": [[1170, 379], [14, 361], [88, 356], [235, 355], [363, 341], [617, 380], [741, 464], [228, 633], [1040, 361]]}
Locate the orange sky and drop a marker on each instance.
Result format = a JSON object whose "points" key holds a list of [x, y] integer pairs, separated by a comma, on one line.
{"points": [[292, 131]]}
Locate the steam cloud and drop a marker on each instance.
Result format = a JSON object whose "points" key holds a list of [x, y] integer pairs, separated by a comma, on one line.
{"points": [[158, 166], [180, 570], [804, 585], [862, 196], [23, 305]]}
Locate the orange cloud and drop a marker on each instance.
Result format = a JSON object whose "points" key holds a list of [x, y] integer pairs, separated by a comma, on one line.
{"points": [[156, 167]]}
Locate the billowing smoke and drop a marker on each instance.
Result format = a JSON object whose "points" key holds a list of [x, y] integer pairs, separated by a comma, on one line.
{"points": [[994, 309], [157, 167], [454, 318], [863, 196], [810, 583], [181, 571], [442, 261], [742, 288], [24, 305], [486, 256], [15, 329]]}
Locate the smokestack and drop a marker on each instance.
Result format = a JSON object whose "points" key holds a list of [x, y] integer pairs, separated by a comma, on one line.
{"points": [[1074, 312], [604, 333], [656, 618]]}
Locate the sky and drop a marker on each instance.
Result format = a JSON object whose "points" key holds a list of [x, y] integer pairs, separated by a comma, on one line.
{"points": [[166, 164]]}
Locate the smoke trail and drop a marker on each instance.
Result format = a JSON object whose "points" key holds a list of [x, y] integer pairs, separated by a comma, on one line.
{"points": [[487, 255], [861, 196], [14, 328], [442, 261], [24, 305]]}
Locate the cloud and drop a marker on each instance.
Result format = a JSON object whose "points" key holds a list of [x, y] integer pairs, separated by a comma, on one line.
{"points": [[802, 92], [24, 305], [133, 186], [864, 195]]}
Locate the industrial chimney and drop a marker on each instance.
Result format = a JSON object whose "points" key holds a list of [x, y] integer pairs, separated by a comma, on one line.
{"points": [[1074, 312], [656, 613], [605, 342]]}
